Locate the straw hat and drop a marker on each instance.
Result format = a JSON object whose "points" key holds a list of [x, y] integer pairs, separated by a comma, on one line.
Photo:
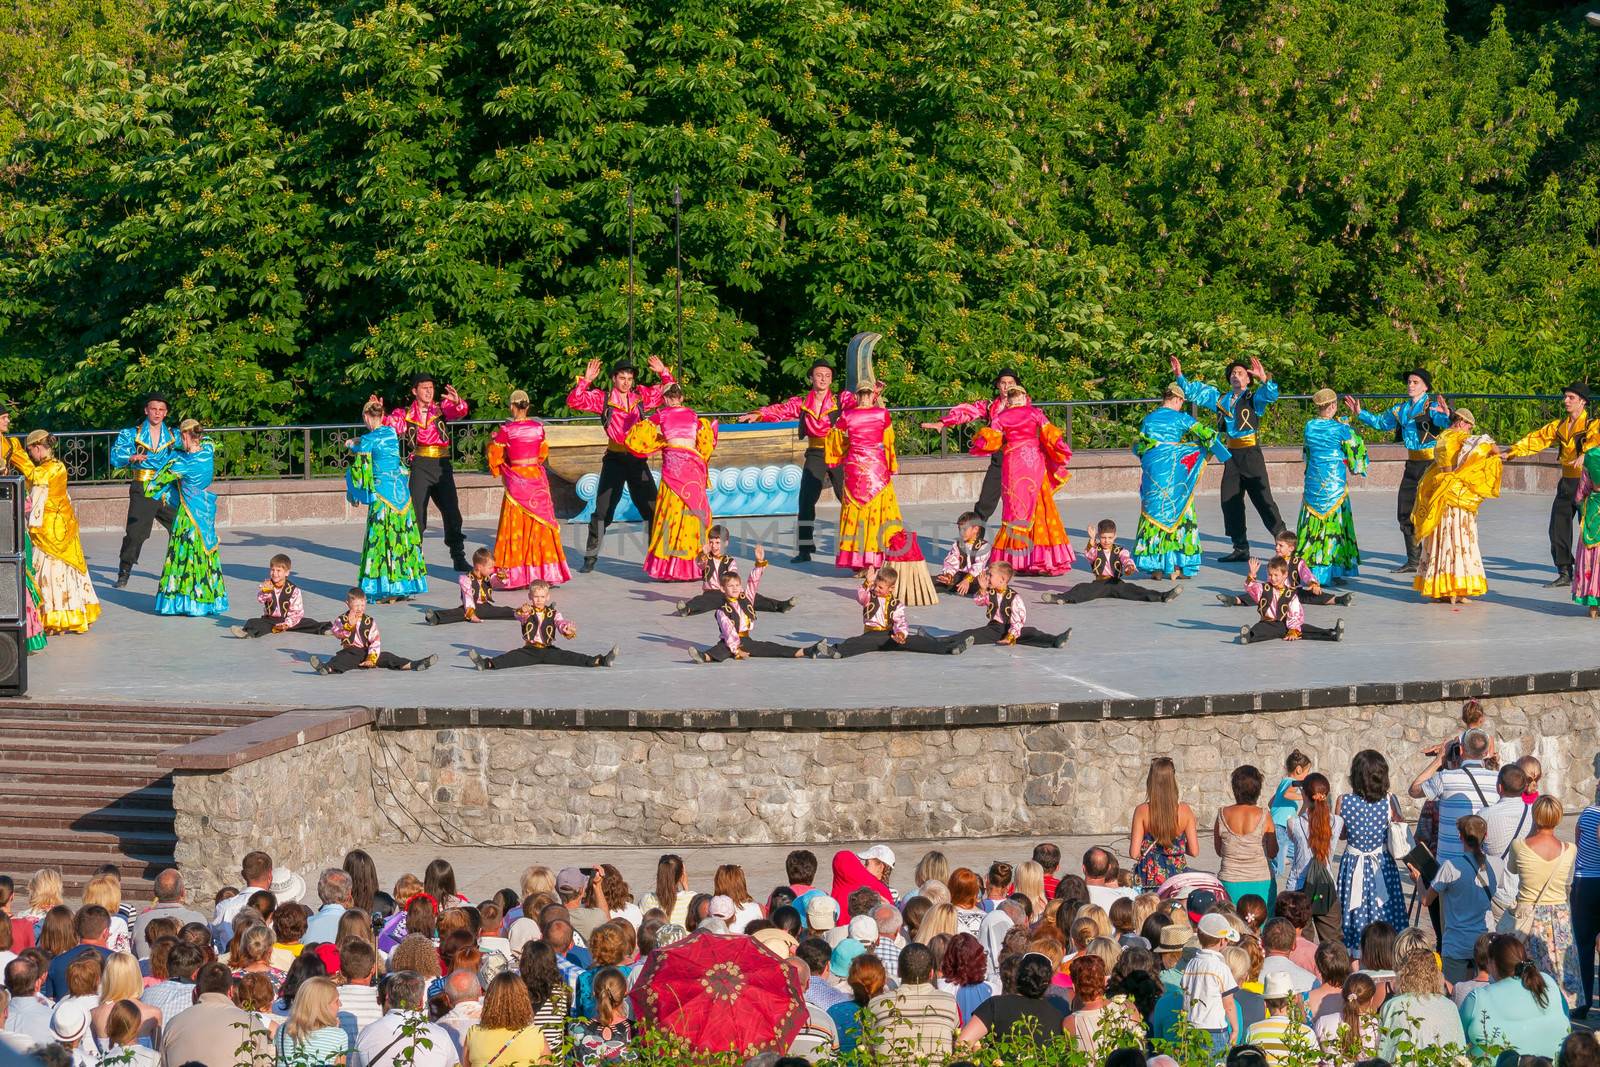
{"points": [[1463, 415], [37, 437], [1173, 391], [1323, 397]]}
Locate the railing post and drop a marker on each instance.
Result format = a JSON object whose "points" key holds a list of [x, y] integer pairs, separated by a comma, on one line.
{"points": [[1066, 431], [305, 438], [944, 440]]}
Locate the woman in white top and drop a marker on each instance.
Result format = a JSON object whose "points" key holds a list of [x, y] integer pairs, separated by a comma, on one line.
{"points": [[619, 898], [672, 893], [730, 882], [121, 1045], [1543, 863]]}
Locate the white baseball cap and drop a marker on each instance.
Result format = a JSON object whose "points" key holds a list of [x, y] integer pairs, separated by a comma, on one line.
{"points": [[882, 853], [1215, 924], [722, 907]]}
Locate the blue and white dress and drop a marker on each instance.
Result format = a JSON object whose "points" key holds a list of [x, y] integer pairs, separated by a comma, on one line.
{"points": [[1369, 878]]}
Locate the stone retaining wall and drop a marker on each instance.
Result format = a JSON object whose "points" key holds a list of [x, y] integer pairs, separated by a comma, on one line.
{"points": [[663, 787]]}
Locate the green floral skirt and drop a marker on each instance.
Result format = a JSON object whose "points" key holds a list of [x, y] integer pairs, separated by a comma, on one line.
{"points": [[191, 580], [391, 558], [1328, 545]]}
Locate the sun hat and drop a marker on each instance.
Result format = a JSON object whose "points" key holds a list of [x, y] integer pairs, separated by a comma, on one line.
{"points": [[822, 913], [844, 954], [69, 1022], [287, 886]]}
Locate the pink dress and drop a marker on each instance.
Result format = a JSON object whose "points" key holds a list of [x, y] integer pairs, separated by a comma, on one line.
{"points": [[683, 510], [527, 544], [870, 523], [1033, 465]]}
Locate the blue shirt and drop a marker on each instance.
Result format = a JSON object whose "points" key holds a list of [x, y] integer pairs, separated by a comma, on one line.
{"points": [[1588, 861], [1505, 1013], [324, 925], [55, 983], [141, 438], [1238, 414], [1415, 419]]}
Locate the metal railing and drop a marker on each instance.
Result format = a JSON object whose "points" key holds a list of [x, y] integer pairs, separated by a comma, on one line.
{"points": [[246, 453]]}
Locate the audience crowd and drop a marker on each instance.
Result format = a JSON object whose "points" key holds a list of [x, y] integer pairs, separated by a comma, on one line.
{"points": [[1333, 933]]}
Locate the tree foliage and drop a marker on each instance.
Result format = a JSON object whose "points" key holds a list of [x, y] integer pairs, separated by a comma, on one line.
{"points": [[312, 199]]}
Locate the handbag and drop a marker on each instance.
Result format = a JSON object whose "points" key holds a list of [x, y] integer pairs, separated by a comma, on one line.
{"points": [[1399, 832]]}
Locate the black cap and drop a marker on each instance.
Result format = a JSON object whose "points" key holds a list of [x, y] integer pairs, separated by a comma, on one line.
{"points": [[1232, 363], [1579, 389], [1427, 379], [1007, 372], [155, 397], [820, 364], [420, 377], [625, 368]]}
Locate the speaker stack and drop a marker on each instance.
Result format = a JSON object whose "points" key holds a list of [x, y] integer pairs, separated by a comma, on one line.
{"points": [[13, 595]]}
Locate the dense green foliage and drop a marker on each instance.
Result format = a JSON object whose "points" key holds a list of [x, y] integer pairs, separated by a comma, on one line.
{"points": [[310, 199]]}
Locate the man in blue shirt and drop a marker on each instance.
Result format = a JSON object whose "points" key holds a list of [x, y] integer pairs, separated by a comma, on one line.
{"points": [[141, 450], [333, 889], [1239, 414], [93, 927], [1416, 420]]}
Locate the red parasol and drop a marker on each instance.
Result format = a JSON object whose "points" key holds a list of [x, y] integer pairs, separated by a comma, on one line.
{"points": [[721, 993]]}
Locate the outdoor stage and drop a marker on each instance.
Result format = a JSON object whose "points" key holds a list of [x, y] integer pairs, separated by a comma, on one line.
{"points": [[1118, 650]]}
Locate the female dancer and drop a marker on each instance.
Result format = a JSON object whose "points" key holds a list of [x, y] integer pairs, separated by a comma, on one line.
{"points": [[1171, 447], [392, 566], [683, 510], [1465, 472], [1326, 532], [14, 459], [191, 578], [527, 545], [1033, 466], [67, 600], [870, 518]]}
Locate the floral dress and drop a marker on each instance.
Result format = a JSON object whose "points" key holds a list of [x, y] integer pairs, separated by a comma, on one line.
{"points": [[1159, 862], [1369, 878]]}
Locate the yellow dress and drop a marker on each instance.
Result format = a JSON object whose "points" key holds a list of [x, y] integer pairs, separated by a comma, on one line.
{"points": [[1465, 472]]}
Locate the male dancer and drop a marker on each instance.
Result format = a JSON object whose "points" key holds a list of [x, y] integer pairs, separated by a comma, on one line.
{"points": [[816, 411], [1575, 434], [972, 411], [141, 450], [1239, 413], [620, 408], [422, 425], [1418, 418]]}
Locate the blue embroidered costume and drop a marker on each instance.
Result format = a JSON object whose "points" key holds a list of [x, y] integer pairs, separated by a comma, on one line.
{"points": [[392, 564], [191, 579], [1326, 533], [1172, 450]]}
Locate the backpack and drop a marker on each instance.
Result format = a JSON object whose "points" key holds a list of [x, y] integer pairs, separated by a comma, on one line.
{"points": [[1321, 888]]}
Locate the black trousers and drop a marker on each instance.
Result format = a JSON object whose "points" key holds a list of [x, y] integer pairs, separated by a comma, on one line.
{"points": [[711, 600], [1084, 592], [1563, 509], [262, 625], [1323, 598], [349, 659], [144, 513], [1266, 631], [993, 633], [814, 473], [529, 656], [1246, 472], [618, 469], [880, 641], [989, 494], [435, 480], [1585, 926], [1407, 499], [719, 652], [444, 616]]}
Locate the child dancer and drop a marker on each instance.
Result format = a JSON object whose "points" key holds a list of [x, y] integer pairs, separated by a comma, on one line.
{"points": [[282, 606], [362, 646], [1303, 581], [736, 616], [715, 569], [883, 622], [1280, 610], [1110, 564], [542, 623], [67, 602], [477, 595], [1008, 615], [967, 559]]}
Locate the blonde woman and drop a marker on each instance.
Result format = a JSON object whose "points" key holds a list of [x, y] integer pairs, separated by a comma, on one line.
{"points": [[312, 1033], [106, 891], [941, 919], [1030, 883], [44, 893], [934, 866], [1164, 833], [1543, 863], [121, 980]]}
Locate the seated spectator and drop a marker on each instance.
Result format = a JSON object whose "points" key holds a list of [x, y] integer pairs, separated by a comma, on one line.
{"points": [[965, 889], [312, 1033], [120, 981], [1352, 1034], [1480, 967], [1419, 1013], [1283, 1033], [1296, 907], [309, 965], [1093, 1015], [358, 996], [1333, 967], [334, 895], [547, 991], [124, 1038], [92, 928], [403, 1036], [1278, 939], [254, 954], [464, 996], [505, 1032], [916, 1018], [1026, 1008], [288, 933], [28, 1014], [605, 1038], [175, 994], [214, 1032], [171, 903], [866, 980], [253, 994], [1521, 1008], [965, 974]]}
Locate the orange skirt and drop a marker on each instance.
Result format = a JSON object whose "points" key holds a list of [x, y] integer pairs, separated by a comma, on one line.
{"points": [[526, 549]]}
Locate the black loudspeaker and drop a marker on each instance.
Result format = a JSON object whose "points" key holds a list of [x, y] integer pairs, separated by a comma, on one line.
{"points": [[13, 660], [13, 493]]}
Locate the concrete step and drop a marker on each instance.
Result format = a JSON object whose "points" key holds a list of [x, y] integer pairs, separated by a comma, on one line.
{"points": [[62, 818], [75, 750], [33, 734], [87, 796], [50, 770], [138, 870], [220, 717], [43, 838]]}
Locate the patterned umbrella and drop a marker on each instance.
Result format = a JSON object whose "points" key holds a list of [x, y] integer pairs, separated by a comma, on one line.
{"points": [[721, 993]]}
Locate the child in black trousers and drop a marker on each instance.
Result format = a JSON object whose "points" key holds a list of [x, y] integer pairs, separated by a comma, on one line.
{"points": [[542, 624], [362, 646], [884, 627], [477, 595]]}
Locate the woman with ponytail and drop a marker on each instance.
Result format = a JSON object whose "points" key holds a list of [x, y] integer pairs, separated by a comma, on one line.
{"points": [[1521, 1008], [1465, 887], [1311, 837], [1351, 1035]]}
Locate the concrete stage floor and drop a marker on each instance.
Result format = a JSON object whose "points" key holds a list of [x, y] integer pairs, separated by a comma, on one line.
{"points": [[1117, 649]]}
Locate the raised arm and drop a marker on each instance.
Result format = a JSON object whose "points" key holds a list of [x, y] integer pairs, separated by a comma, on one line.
{"points": [[1266, 395], [782, 411], [1199, 393], [1535, 442], [1388, 419]]}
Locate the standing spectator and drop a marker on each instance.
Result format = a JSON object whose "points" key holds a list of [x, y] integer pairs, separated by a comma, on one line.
{"points": [[312, 1033], [93, 927], [1369, 881], [171, 902], [869, 869], [1208, 983], [506, 1033], [1285, 805], [334, 891], [214, 1030], [1465, 886], [1244, 839], [120, 981], [1164, 833], [387, 1043], [605, 1038], [1048, 856], [1455, 789], [1586, 902], [29, 1013], [1311, 836], [730, 882], [1419, 1012], [256, 871], [915, 1019], [1521, 1008], [965, 970], [1544, 863]]}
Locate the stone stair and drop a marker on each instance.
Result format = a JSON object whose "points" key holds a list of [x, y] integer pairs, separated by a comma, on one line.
{"points": [[79, 787]]}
